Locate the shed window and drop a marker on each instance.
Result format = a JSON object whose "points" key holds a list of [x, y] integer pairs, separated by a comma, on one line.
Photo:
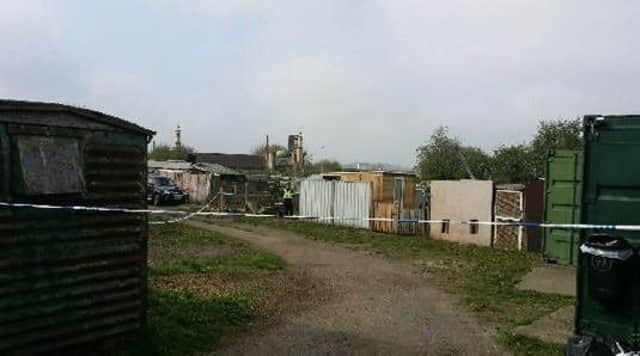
{"points": [[50, 165]]}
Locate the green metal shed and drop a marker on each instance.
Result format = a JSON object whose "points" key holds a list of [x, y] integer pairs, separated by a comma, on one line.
{"points": [[562, 205], [70, 279]]}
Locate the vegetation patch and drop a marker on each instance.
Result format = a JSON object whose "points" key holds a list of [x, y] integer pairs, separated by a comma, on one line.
{"points": [[226, 264], [183, 323], [204, 287]]}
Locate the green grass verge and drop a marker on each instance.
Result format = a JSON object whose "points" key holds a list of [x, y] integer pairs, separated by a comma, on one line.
{"points": [[181, 323], [173, 242], [522, 345], [225, 264], [177, 235], [484, 278]]}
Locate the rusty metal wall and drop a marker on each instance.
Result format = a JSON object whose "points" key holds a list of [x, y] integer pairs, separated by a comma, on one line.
{"points": [[534, 212], [69, 279]]}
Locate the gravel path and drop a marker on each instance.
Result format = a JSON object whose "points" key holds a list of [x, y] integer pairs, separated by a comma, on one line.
{"points": [[381, 307]]}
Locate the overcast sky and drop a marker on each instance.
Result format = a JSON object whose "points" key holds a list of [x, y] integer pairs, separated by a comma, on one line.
{"points": [[368, 80]]}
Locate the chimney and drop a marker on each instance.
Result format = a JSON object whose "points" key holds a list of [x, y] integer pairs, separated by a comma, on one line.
{"points": [[178, 137]]}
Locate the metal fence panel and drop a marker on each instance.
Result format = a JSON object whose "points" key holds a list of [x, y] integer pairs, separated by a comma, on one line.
{"points": [[316, 198], [344, 203], [352, 204]]}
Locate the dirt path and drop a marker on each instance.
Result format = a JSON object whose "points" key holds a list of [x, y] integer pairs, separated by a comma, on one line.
{"points": [[381, 308]]}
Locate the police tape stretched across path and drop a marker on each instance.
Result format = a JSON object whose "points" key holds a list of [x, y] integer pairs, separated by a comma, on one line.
{"points": [[184, 215]]}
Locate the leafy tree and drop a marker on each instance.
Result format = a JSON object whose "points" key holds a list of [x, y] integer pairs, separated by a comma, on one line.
{"points": [[551, 135], [261, 149], [441, 157], [164, 152], [512, 164], [478, 161], [323, 166]]}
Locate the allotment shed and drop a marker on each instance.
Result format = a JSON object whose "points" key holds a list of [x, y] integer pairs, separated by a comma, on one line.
{"points": [[70, 279], [388, 187], [454, 201], [393, 197]]}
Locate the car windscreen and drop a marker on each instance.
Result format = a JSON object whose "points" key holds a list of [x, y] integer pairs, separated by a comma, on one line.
{"points": [[161, 181]]}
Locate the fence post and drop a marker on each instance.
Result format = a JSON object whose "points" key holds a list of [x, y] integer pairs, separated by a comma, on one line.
{"points": [[221, 199], [332, 205], [246, 195]]}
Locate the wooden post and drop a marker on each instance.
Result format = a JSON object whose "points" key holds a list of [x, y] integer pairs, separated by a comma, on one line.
{"points": [[246, 195]]}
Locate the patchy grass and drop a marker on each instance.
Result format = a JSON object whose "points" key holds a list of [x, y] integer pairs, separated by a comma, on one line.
{"points": [[483, 278], [178, 249], [184, 317], [226, 264], [180, 323], [523, 345]]}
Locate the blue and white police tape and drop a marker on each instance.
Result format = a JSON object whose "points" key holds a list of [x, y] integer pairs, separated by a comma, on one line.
{"points": [[91, 208], [184, 215]]}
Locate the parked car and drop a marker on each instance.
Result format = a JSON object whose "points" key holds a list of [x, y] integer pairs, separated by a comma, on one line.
{"points": [[164, 190]]}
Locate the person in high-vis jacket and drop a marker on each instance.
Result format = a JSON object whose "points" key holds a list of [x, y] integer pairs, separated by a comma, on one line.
{"points": [[288, 201]]}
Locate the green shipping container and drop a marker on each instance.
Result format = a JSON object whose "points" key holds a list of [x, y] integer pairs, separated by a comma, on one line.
{"points": [[562, 205], [608, 304], [70, 280]]}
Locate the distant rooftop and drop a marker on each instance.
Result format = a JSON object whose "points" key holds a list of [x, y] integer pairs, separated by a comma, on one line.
{"points": [[234, 161], [406, 173], [185, 166], [368, 166]]}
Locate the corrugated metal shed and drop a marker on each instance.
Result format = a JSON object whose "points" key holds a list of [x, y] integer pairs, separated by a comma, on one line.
{"points": [[348, 203], [70, 278]]}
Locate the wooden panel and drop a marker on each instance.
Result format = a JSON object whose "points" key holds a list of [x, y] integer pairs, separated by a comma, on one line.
{"points": [[385, 211], [410, 192], [387, 189], [391, 211]]}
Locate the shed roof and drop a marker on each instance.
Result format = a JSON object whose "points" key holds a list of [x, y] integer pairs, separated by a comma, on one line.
{"points": [[170, 164], [235, 161], [23, 105], [180, 165], [395, 173], [216, 168]]}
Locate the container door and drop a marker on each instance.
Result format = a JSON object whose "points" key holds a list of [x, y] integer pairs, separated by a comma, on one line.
{"points": [[562, 206], [610, 305]]}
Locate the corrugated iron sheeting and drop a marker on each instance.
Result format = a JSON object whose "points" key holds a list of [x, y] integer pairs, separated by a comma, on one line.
{"points": [[352, 201], [71, 278], [316, 198], [337, 200]]}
